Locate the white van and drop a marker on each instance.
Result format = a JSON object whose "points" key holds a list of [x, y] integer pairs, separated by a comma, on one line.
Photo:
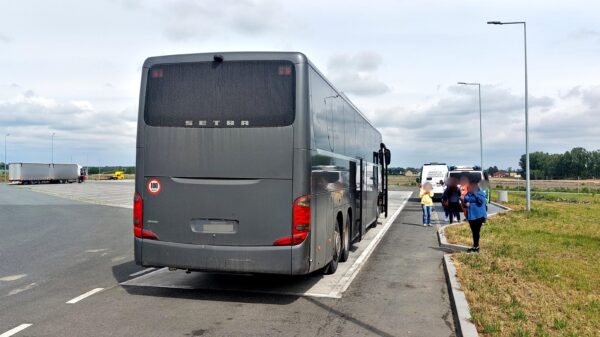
{"points": [[471, 172], [436, 174]]}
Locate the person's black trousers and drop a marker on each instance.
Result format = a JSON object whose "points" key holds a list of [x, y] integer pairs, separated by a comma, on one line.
{"points": [[454, 210], [476, 229]]}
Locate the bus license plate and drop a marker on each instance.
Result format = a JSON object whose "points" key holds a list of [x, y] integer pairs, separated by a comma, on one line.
{"points": [[214, 226]]}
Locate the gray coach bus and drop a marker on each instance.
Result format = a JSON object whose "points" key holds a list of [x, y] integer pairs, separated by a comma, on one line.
{"points": [[251, 162]]}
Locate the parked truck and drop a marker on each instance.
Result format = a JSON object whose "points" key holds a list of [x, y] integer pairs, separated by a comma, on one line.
{"points": [[37, 173], [118, 175]]}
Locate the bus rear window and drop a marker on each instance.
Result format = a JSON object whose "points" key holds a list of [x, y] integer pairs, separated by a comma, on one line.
{"points": [[221, 94]]}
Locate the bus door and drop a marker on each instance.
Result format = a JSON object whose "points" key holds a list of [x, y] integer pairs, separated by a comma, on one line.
{"points": [[355, 183], [360, 199]]}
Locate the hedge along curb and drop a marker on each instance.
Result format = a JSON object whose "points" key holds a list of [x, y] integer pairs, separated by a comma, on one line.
{"points": [[460, 306]]}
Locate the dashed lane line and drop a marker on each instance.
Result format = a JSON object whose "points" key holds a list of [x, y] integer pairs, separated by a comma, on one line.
{"points": [[81, 297], [12, 277], [16, 330]]}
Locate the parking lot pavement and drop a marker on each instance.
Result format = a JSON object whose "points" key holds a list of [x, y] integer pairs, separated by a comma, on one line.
{"points": [[74, 257], [117, 193]]}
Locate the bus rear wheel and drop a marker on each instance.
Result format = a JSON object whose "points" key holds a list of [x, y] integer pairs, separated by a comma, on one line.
{"points": [[346, 240], [336, 251]]}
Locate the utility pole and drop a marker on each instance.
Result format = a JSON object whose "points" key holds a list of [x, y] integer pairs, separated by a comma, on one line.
{"points": [[527, 176], [5, 163]]}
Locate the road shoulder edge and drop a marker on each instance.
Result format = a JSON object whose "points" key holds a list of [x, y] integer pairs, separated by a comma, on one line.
{"points": [[458, 301], [443, 242], [504, 207]]}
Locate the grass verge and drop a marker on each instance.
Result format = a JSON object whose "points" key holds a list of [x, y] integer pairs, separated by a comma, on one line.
{"points": [[538, 273]]}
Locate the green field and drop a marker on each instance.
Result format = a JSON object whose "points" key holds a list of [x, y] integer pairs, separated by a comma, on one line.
{"points": [[402, 180], [538, 273]]}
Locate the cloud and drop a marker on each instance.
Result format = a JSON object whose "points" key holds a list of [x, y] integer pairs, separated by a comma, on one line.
{"points": [[187, 19], [357, 74], [32, 118], [447, 129], [5, 38], [586, 34], [460, 103]]}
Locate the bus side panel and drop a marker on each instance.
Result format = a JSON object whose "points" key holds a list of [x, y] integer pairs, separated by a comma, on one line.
{"points": [[301, 258], [331, 193], [139, 188], [321, 220]]}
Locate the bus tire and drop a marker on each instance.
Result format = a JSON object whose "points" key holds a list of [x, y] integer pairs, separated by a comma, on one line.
{"points": [[346, 240], [336, 251]]}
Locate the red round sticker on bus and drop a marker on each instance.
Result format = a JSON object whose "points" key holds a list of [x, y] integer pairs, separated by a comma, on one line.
{"points": [[153, 186]]}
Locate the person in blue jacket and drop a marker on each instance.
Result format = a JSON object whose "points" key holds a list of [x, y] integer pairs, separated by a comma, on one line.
{"points": [[476, 201]]}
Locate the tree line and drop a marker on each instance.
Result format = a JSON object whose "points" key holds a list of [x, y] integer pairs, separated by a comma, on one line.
{"points": [[578, 163]]}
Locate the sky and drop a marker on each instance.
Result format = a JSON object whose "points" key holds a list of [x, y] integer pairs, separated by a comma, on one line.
{"points": [[73, 69]]}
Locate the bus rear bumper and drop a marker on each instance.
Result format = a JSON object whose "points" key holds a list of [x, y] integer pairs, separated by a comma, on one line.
{"points": [[234, 259]]}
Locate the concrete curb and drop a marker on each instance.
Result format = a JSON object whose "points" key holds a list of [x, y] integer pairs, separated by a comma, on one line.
{"points": [[449, 247], [506, 208], [460, 306]]}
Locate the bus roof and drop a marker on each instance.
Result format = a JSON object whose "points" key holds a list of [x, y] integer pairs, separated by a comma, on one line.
{"points": [[294, 57]]}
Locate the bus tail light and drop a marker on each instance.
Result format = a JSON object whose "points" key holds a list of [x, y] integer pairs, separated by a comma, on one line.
{"points": [[138, 231], [300, 223]]}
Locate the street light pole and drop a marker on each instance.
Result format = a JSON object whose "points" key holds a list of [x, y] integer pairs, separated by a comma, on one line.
{"points": [[5, 170], [52, 150], [527, 176], [480, 123]]}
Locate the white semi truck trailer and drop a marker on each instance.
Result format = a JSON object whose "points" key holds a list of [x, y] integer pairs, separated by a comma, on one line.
{"points": [[36, 173]]}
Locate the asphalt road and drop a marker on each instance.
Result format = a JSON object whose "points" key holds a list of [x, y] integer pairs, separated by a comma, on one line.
{"points": [[53, 250]]}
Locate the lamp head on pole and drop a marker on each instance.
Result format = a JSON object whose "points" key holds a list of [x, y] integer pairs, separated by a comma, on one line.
{"points": [[494, 23]]}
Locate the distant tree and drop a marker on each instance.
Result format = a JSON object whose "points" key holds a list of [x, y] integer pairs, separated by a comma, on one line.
{"points": [[492, 170]]}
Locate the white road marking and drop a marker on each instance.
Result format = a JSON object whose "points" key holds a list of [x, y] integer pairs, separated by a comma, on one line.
{"points": [[347, 279], [143, 271], [96, 250], [88, 294], [118, 258], [20, 290], [16, 330], [12, 277]]}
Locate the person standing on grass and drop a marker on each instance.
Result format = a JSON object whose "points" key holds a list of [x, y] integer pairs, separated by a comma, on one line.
{"points": [[426, 196], [451, 197], [475, 201]]}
